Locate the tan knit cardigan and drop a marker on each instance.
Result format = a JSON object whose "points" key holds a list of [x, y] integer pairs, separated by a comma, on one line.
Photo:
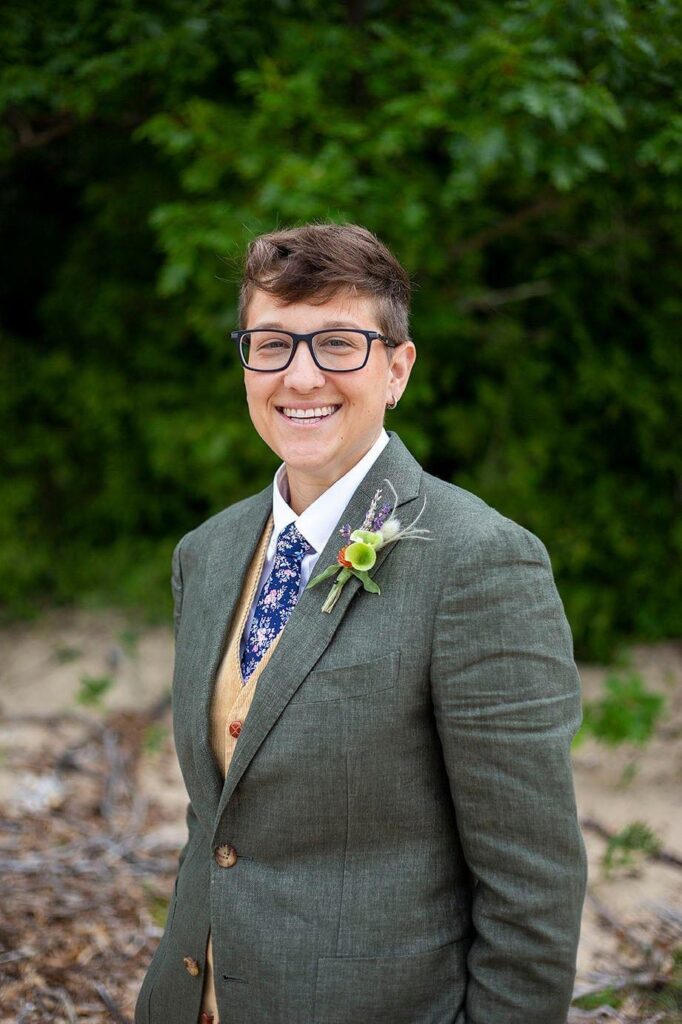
{"points": [[230, 705]]}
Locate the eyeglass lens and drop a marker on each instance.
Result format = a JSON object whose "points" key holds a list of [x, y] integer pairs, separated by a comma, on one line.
{"points": [[334, 350]]}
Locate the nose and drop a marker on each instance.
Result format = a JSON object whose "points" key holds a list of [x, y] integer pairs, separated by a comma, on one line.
{"points": [[302, 373]]}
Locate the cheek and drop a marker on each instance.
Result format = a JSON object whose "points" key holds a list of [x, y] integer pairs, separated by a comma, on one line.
{"points": [[368, 399], [251, 403], [256, 398]]}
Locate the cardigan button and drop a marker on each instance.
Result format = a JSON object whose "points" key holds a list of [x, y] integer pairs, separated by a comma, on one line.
{"points": [[225, 856], [191, 965], [235, 728]]}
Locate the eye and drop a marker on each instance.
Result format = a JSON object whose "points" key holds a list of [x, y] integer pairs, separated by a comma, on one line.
{"points": [[270, 342], [337, 343]]}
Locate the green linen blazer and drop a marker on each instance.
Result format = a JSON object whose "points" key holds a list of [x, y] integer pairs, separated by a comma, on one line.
{"points": [[400, 798]]}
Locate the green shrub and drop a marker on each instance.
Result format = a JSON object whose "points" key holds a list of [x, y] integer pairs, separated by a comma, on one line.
{"points": [[627, 713], [632, 844], [522, 160], [93, 689]]}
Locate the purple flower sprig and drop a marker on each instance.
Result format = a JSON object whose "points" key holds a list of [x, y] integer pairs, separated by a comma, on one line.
{"points": [[381, 517], [371, 512], [374, 519]]}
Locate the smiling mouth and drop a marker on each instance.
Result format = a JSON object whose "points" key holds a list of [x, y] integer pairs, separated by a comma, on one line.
{"points": [[306, 421]]}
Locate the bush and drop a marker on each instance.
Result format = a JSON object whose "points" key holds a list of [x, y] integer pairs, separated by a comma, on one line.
{"points": [[522, 160]]}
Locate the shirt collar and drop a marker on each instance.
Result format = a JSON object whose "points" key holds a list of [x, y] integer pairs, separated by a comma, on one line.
{"points": [[319, 519]]}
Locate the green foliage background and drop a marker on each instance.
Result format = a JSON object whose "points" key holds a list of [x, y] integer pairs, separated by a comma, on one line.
{"points": [[523, 160]]}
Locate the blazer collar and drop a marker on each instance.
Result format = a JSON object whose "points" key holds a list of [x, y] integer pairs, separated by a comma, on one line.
{"points": [[308, 632]]}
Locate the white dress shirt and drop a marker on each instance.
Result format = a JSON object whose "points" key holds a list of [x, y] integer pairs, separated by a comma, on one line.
{"points": [[317, 521]]}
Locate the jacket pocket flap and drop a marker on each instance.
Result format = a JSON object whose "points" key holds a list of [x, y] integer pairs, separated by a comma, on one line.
{"points": [[338, 681]]}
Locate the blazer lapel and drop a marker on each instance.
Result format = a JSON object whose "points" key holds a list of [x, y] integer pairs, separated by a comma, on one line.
{"points": [[228, 556], [308, 631]]}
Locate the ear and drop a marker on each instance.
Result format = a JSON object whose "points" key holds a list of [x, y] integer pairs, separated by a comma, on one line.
{"points": [[401, 365]]}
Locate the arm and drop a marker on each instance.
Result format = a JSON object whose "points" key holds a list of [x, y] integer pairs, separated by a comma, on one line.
{"points": [[176, 588], [506, 697]]}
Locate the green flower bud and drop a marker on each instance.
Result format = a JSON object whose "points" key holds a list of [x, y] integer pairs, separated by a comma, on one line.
{"points": [[367, 537], [360, 555]]}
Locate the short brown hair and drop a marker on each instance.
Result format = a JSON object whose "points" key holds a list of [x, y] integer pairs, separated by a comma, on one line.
{"points": [[314, 262]]}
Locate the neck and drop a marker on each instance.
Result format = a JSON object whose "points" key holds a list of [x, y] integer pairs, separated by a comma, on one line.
{"points": [[302, 493], [303, 489]]}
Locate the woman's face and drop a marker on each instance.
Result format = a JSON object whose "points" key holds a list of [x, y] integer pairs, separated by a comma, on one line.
{"points": [[318, 454]]}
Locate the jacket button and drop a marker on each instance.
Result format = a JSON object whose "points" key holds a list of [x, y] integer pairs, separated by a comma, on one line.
{"points": [[225, 856], [235, 728], [191, 965]]}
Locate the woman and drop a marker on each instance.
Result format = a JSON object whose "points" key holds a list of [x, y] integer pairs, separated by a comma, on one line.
{"points": [[382, 823]]}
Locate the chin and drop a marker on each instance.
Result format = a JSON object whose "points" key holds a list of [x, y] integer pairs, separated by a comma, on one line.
{"points": [[309, 460]]}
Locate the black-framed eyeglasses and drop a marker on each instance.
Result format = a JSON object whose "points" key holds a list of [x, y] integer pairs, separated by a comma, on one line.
{"points": [[337, 350]]}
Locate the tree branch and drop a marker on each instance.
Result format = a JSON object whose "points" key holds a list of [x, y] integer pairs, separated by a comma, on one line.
{"points": [[511, 225]]}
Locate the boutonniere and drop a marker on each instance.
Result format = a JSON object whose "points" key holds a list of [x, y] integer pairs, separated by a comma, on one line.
{"points": [[359, 553]]}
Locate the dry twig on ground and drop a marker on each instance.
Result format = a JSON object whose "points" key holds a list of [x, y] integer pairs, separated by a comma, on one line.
{"points": [[90, 880]]}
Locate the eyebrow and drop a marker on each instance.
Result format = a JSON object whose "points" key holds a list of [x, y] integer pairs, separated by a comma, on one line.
{"points": [[327, 325]]}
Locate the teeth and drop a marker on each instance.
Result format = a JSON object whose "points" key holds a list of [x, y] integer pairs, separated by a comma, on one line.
{"points": [[303, 414]]}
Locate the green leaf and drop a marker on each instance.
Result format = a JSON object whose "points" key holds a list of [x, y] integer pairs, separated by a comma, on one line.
{"points": [[367, 582], [329, 571]]}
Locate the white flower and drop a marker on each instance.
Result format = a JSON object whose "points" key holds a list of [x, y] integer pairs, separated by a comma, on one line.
{"points": [[390, 528]]}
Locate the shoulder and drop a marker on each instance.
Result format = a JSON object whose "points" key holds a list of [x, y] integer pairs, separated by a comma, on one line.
{"points": [[471, 531], [489, 566]]}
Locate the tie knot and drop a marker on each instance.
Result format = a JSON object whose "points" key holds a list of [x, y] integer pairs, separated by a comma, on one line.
{"points": [[291, 544]]}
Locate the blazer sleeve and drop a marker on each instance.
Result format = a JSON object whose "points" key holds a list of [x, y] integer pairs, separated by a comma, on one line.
{"points": [[176, 588], [506, 696]]}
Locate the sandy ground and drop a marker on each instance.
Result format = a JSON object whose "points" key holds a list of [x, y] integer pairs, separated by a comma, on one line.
{"points": [[42, 666]]}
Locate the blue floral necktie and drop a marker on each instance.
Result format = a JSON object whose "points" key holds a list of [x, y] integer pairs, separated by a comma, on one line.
{"points": [[277, 598]]}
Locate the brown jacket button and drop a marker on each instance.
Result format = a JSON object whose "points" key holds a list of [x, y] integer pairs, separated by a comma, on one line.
{"points": [[191, 965], [225, 856], [235, 728]]}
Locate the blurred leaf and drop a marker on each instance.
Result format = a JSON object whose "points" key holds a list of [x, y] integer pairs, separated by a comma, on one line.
{"points": [[626, 850], [626, 714], [93, 689]]}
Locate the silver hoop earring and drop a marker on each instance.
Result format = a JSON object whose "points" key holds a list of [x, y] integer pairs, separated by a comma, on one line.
{"points": [[395, 402]]}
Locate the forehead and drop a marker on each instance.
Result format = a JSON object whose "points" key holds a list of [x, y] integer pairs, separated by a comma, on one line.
{"points": [[344, 308]]}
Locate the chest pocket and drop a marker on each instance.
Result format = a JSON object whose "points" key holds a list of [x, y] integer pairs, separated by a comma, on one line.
{"points": [[355, 679]]}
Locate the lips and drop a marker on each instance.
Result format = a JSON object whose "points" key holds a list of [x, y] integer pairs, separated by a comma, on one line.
{"points": [[304, 421]]}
